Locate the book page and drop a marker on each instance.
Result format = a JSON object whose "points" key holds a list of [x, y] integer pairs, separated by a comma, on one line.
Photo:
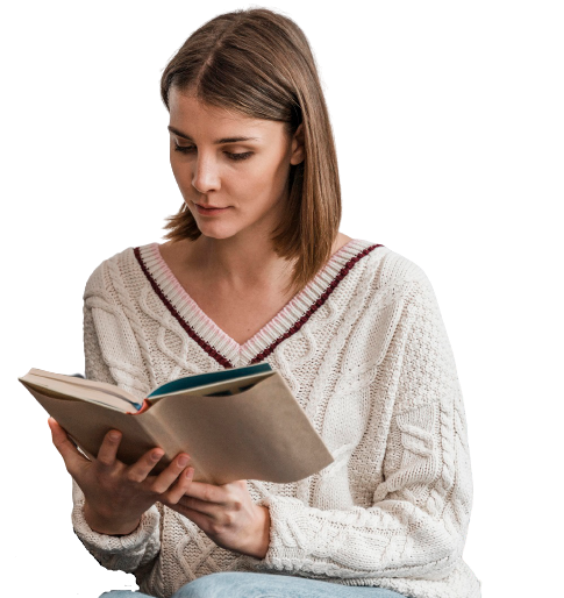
{"points": [[197, 382], [71, 388], [105, 387], [228, 387]]}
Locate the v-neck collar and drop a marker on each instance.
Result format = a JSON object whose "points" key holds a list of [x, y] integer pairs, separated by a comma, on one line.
{"points": [[217, 343]]}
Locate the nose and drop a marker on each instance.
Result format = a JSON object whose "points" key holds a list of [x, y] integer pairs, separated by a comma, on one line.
{"points": [[205, 177]]}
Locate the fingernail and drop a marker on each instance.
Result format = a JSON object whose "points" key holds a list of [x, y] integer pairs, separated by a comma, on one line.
{"points": [[156, 455], [189, 472], [183, 461], [114, 435]]}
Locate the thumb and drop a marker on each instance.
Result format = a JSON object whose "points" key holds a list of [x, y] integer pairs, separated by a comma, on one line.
{"points": [[57, 433], [72, 458]]}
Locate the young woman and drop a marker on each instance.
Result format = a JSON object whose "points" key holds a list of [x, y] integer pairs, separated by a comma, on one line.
{"points": [[255, 269]]}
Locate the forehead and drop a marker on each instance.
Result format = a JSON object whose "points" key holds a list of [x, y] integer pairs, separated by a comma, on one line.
{"points": [[189, 112]]}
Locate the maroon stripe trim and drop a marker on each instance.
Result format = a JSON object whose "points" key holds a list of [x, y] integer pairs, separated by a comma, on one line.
{"points": [[334, 283], [190, 331], [263, 354]]}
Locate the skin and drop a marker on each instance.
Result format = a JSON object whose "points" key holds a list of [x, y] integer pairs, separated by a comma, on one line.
{"points": [[249, 177], [236, 277], [116, 494], [232, 271]]}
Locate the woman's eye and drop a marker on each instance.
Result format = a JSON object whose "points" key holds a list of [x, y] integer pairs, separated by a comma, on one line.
{"points": [[242, 156], [185, 149]]}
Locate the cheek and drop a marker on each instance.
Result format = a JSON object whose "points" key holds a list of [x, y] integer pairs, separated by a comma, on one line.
{"points": [[280, 177], [272, 176]]}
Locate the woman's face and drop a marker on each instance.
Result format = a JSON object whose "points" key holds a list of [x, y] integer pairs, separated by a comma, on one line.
{"points": [[232, 170]]}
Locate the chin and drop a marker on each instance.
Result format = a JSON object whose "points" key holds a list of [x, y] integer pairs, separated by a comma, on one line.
{"points": [[216, 232]]}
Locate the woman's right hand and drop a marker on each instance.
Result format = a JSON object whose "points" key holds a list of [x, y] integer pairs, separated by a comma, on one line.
{"points": [[117, 494]]}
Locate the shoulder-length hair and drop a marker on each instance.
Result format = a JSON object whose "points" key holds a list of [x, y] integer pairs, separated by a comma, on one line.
{"points": [[260, 63]]}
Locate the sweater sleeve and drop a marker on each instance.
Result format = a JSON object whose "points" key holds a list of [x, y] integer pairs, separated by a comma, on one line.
{"points": [[124, 553], [416, 524], [129, 552]]}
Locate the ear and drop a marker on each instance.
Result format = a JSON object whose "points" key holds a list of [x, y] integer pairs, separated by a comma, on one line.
{"points": [[298, 147]]}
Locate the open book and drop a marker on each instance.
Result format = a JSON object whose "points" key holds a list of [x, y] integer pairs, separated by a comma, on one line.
{"points": [[240, 423]]}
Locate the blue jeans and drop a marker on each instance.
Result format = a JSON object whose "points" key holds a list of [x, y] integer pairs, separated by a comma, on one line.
{"points": [[263, 585]]}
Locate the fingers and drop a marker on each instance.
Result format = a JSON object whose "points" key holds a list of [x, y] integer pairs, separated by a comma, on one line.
{"points": [[169, 475], [174, 480], [140, 471], [108, 449], [142, 468], [180, 487]]}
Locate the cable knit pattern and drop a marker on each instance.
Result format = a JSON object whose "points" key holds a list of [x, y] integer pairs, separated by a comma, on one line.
{"points": [[364, 349]]}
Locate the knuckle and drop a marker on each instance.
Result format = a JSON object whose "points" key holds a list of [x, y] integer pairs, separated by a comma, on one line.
{"points": [[175, 498], [229, 520], [185, 483], [170, 499], [158, 487], [135, 477]]}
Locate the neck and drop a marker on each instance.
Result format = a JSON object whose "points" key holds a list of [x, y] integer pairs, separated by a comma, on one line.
{"points": [[239, 263], [234, 265]]}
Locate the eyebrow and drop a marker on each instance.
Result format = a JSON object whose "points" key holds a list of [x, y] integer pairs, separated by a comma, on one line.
{"points": [[217, 141]]}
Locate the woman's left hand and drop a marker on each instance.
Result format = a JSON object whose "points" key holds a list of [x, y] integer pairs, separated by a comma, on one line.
{"points": [[228, 515]]}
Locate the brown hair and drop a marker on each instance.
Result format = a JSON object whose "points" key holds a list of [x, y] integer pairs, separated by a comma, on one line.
{"points": [[259, 62]]}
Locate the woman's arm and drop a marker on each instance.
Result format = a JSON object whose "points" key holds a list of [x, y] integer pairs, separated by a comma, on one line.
{"points": [[114, 514], [416, 526]]}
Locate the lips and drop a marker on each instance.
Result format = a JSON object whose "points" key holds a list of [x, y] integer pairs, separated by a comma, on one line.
{"points": [[209, 210]]}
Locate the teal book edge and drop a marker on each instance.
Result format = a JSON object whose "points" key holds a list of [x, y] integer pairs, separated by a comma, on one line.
{"points": [[210, 378]]}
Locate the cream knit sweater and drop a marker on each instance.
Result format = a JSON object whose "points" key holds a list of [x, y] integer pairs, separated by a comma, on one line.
{"points": [[365, 352]]}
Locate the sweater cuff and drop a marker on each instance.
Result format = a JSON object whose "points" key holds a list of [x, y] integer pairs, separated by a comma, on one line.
{"points": [[147, 532], [284, 548]]}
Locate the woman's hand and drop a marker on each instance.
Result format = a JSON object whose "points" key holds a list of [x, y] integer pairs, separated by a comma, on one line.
{"points": [[118, 494], [228, 515]]}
